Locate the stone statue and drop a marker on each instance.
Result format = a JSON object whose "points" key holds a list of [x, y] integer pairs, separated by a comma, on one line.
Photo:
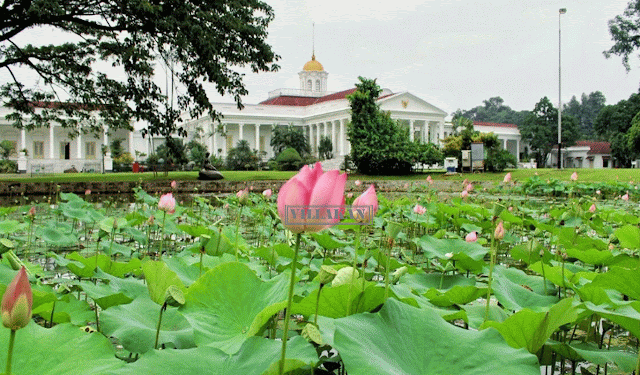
{"points": [[208, 171]]}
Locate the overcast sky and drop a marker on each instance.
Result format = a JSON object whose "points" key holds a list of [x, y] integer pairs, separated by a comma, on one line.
{"points": [[453, 54]]}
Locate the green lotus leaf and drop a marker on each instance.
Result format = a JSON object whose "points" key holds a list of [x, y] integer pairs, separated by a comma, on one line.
{"points": [[626, 361], [55, 237], [257, 356], [334, 300], [67, 309], [401, 339], [134, 325], [422, 282], [63, 349], [516, 290], [626, 316], [629, 236], [530, 330], [159, 278], [458, 295], [112, 291], [435, 248], [11, 226], [625, 281], [229, 303]]}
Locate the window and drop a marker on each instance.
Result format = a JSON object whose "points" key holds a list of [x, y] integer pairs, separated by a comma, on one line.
{"points": [[309, 85], [229, 142], [38, 149], [317, 85], [65, 150], [90, 150]]}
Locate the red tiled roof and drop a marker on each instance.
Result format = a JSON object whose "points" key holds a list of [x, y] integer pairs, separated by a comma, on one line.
{"points": [[302, 101], [596, 147], [496, 124]]}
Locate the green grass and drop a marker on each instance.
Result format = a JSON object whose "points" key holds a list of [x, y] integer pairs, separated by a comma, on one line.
{"points": [[584, 175]]}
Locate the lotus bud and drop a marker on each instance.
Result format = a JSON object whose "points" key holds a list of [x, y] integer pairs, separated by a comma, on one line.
{"points": [[507, 178], [243, 196], [32, 212], [499, 232], [471, 237], [592, 209], [167, 203], [625, 197], [267, 193], [464, 194], [87, 192], [174, 184], [429, 179], [574, 176], [418, 209], [358, 183], [17, 302]]}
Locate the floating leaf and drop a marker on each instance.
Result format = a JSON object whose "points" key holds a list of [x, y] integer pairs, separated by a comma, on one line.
{"points": [[401, 339], [159, 278]]}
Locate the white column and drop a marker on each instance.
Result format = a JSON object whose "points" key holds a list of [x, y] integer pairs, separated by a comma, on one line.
{"points": [[212, 140], [518, 150], [51, 140], [504, 144], [224, 127], [324, 129], [79, 145], [334, 144], [341, 137], [441, 131], [132, 150], [106, 138], [23, 139], [411, 130], [317, 140], [240, 132], [258, 137]]}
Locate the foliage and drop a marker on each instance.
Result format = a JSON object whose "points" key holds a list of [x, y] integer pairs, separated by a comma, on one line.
{"points": [[325, 148], [625, 32], [428, 154], [207, 41], [197, 153], [585, 112], [8, 166], [289, 160], [540, 130], [493, 110], [283, 137], [172, 152], [6, 149], [116, 148], [123, 162], [553, 187], [498, 160], [378, 145], [242, 158], [633, 136], [613, 123]]}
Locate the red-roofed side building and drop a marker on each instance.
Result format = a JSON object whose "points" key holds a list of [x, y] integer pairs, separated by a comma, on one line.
{"points": [[585, 154]]}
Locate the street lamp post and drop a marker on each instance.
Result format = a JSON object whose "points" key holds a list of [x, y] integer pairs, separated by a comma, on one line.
{"points": [[562, 11]]}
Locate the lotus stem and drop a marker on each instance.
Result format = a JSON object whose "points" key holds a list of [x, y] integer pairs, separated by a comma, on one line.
{"points": [[238, 230], [287, 314], [386, 272], [491, 265], [164, 307], [315, 319], [355, 268], [164, 216], [12, 338]]}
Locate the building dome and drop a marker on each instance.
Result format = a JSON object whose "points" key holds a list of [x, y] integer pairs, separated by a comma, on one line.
{"points": [[313, 65]]}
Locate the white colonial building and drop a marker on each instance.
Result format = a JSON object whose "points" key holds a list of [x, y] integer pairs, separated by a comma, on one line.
{"points": [[52, 150], [317, 111]]}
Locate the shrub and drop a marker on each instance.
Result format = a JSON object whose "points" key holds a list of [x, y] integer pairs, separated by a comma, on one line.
{"points": [[8, 166], [123, 162], [499, 160], [242, 158], [289, 160]]}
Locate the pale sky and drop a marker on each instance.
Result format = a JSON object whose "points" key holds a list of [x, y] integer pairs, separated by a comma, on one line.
{"points": [[453, 54]]}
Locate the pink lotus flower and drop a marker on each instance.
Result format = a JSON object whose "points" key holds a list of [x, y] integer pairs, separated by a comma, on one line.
{"points": [[592, 209], [507, 178], [87, 192], [369, 201], [311, 187], [471, 237], [510, 208], [598, 192], [499, 232], [469, 188], [429, 179], [174, 184], [625, 197], [17, 302], [349, 195], [419, 209], [267, 193], [243, 196], [358, 182], [226, 206], [32, 211], [574, 176], [167, 203], [464, 194]]}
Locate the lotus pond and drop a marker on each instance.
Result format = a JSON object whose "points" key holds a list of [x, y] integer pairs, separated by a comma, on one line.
{"points": [[136, 290]]}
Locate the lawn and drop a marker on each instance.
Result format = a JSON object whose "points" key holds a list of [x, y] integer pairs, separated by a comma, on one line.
{"points": [[584, 175]]}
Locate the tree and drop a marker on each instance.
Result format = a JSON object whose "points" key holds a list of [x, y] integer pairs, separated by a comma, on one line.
{"points": [[242, 158], [378, 144], [585, 112], [283, 137], [325, 148], [633, 136], [612, 124], [540, 130], [493, 110], [206, 39], [625, 32]]}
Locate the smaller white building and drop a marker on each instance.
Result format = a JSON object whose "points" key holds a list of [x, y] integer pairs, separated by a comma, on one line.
{"points": [[53, 150], [584, 154]]}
